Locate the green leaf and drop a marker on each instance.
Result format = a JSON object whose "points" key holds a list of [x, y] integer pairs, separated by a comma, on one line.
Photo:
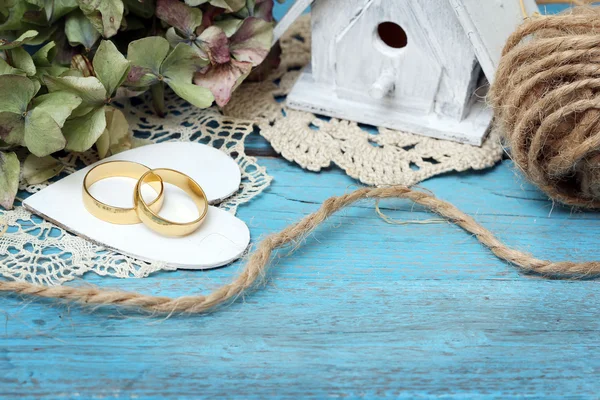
{"points": [[215, 44], [39, 170], [252, 42], [21, 40], [39, 3], [89, 89], [229, 5], [45, 55], [103, 144], [125, 92], [111, 66], [43, 59], [179, 15], [22, 60], [42, 134], [79, 30], [181, 63], [140, 78], [16, 11], [17, 92], [262, 9], [84, 131], [195, 3], [53, 70], [105, 15], [59, 105], [158, 99], [74, 73], [223, 79], [174, 38], [196, 95], [36, 85], [6, 69], [43, 35], [12, 128], [57, 9], [148, 53], [116, 137], [9, 179], [35, 15], [229, 25]]}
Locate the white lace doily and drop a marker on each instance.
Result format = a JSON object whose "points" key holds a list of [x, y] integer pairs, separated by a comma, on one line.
{"points": [[38, 251], [385, 157]]}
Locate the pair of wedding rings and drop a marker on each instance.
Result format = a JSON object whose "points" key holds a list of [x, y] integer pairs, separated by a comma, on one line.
{"points": [[142, 211]]}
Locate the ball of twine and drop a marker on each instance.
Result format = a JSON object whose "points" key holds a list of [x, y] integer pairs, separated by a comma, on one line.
{"points": [[546, 98]]}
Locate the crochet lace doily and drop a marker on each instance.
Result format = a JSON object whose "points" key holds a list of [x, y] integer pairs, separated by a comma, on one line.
{"points": [[36, 250], [373, 156]]}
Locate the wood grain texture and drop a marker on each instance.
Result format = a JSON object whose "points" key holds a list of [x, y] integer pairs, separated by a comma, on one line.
{"points": [[363, 308]]}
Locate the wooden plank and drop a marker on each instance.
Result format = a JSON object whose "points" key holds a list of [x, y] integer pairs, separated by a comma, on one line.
{"points": [[362, 309], [480, 339]]}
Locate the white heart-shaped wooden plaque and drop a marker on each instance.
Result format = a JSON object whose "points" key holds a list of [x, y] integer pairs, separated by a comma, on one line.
{"points": [[221, 239]]}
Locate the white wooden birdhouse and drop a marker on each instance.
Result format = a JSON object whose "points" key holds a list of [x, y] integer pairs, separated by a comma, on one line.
{"points": [[411, 65]]}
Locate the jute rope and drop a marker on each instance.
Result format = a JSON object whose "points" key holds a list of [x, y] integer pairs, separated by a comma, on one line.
{"points": [[259, 260], [546, 98]]}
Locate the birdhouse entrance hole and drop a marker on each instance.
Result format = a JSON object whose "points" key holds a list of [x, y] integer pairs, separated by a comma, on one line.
{"points": [[392, 35]]}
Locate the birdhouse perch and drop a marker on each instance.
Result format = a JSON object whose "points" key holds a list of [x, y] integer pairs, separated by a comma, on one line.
{"points": [[410, 65]]}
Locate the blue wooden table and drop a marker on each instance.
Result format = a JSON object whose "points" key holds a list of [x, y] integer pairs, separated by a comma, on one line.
{"points": [[362, 309]]}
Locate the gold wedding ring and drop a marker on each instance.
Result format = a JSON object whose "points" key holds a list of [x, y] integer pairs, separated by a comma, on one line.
{"points": [[150, 217], [112, 214]]}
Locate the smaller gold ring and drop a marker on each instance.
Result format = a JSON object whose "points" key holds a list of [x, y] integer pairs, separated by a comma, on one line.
{"points": [[159, 224], [112, 214]]}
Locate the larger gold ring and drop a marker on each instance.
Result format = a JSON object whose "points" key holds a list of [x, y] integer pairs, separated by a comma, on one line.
{"points": [[112, 214], [161, 225]]}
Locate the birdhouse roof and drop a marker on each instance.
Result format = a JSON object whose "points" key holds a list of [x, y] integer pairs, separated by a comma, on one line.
{"points": [[487, 24]]}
